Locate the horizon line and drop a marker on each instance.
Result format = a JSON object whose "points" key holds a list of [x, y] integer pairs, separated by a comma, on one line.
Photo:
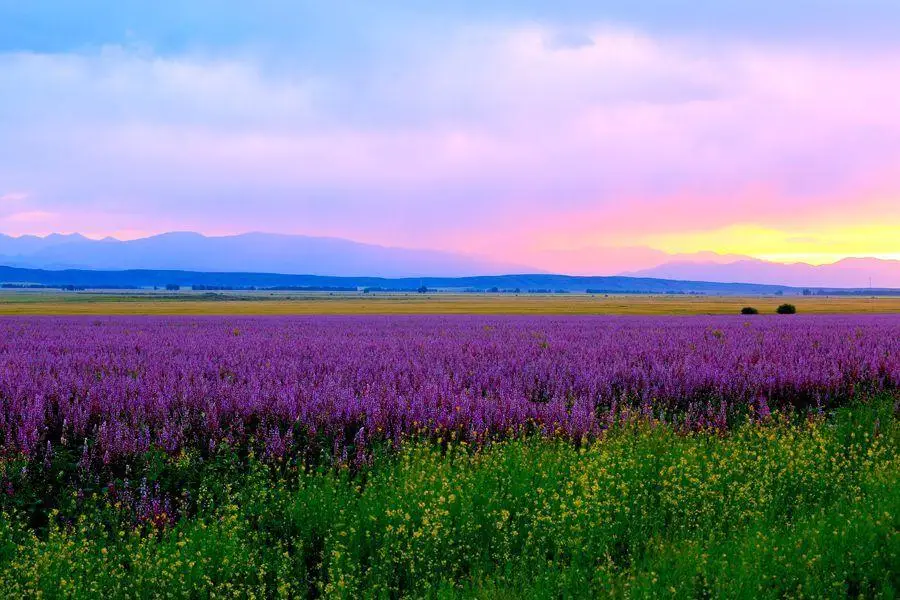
{"points": [[94, 237]]}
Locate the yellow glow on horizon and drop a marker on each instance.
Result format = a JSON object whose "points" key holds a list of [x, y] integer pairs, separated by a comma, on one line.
{"points": [[814, 245]]}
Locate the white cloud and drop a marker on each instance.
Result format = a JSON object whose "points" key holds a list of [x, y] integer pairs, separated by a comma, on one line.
{"points": [[485, 127], [12, 197]]}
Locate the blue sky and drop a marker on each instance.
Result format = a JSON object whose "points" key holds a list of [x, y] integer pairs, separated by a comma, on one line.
{"points": [[172, 26], [565, 134]]}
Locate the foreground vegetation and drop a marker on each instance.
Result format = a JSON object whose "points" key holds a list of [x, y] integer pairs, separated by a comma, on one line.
{"points": [[799, 506]]}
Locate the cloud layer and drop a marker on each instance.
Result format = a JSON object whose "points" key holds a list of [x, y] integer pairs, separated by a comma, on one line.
{"points": [[546, 139]]}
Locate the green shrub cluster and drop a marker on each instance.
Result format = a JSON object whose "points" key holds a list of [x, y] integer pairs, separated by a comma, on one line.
{"points": [[801, 507]]}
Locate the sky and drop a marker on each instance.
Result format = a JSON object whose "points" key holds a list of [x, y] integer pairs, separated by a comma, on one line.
{"points": [[576, 136]]}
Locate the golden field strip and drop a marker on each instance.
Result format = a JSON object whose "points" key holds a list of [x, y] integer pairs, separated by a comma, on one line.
{"points": [[348, 303]]}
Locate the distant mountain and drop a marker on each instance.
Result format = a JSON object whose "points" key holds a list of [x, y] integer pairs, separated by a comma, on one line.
{"points": [[30, 244], [524, 283], [609, 260], [266, 253], [250, 252], [847, 273]]}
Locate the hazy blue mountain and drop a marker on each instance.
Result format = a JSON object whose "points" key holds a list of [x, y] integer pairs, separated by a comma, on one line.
{"points": [[305, 255], [250, 252], [847, 273], [26, 245]]}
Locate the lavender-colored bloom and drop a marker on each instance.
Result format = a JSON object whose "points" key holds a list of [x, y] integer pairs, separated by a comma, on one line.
{"points": [[114, 387]]}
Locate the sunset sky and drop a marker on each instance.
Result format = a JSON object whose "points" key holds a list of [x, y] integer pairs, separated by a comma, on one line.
{"points": [[575, 135]]}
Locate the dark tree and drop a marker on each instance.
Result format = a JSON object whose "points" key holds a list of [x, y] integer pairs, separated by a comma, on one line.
{"points": [[786, 309], [749, 310]]}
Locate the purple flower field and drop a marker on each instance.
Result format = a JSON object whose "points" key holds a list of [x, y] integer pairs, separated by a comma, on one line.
{"points": [[120, 386]]}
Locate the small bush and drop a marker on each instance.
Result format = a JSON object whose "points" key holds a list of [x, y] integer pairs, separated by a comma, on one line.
{"points": [[749, 310], [786, 309]]}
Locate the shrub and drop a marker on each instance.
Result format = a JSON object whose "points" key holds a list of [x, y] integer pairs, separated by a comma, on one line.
{"points": [[786, 309], [749, 310]]}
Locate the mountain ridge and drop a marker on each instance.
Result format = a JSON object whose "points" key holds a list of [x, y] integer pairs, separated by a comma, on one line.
{"points": [[851, 272], [526, 282], [246, 252], [289, 254]]}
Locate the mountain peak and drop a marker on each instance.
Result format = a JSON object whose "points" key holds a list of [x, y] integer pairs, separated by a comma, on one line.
{"points": [[176, 235], [64, 236], [252, 252], [854, 272]]}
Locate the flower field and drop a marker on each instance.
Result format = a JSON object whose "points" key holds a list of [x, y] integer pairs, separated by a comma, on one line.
{"points": [[124, 386], [450, 456]]}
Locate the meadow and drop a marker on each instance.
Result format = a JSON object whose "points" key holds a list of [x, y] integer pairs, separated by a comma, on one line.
{"points": [[317, 303], [450, 456]]}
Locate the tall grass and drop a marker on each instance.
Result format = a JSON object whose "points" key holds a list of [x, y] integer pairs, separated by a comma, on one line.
{"points": [[784, 508]]}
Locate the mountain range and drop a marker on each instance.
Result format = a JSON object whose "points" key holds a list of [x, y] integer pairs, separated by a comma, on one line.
{"points": [[249, 252], [527, 283], [329, 256], [846, 273]]}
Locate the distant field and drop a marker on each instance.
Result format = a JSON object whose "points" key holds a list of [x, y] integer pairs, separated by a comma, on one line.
{"points": [[260, 303]]}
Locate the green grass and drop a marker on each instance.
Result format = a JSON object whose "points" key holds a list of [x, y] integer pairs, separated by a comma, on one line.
{"points": [[801, 507], [296, 303]]}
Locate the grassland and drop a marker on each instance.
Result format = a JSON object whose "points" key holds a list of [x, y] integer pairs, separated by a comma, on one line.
{"points": [[799, 507], [42, 303], [800, 504]]}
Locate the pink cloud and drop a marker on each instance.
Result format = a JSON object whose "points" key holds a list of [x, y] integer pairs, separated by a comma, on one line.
{"points": [[496, 142], [13, 197], [30, 217]]}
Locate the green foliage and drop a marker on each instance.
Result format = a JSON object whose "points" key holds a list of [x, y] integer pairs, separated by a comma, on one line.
{"points": [[776, 508], [786, 309], [749, 310]]}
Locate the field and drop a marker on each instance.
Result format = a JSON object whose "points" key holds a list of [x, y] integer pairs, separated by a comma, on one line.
{"points": [[292, 303], [449, 456]]}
